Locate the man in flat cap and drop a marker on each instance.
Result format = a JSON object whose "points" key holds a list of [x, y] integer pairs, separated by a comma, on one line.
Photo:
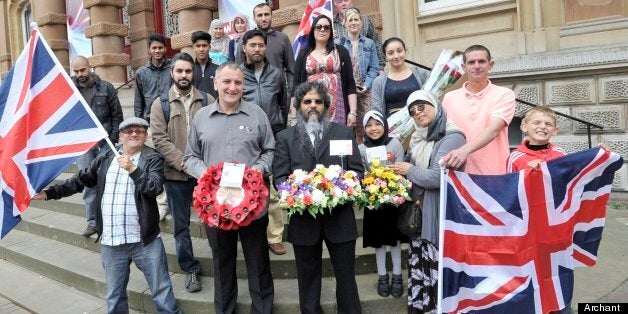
{"points": [[127, 219]]}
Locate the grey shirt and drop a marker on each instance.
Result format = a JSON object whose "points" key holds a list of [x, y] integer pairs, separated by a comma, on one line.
{"points": [[243, 136]]}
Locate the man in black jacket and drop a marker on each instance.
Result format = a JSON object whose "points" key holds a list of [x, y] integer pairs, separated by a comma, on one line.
{"points": [[103, 100], [127, 219], [265, 86], [153, 78], [303, 147], [204, 68]]}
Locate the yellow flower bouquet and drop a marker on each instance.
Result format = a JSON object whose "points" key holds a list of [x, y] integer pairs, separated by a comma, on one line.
{"points": [[382, 186]]}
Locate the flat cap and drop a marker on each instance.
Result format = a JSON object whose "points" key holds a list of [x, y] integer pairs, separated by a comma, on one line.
{"points": [[133, 121]]}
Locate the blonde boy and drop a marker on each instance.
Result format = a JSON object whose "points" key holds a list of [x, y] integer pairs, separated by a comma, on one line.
{"points": [[539, 124]]}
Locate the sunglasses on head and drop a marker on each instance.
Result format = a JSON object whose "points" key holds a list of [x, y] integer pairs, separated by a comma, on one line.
{"points": [[321, 27], [309, 101]]}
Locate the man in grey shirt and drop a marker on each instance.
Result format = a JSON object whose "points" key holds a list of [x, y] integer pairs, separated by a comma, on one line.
{"points": [[279, 49], [233, 130]]}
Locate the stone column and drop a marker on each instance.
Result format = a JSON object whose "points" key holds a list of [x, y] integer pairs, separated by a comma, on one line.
{"points": [[5, 54], [107, 34], [51, 18], [194, 15], [142, 25]]}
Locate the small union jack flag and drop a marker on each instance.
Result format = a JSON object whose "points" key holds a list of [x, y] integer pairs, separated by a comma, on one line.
{"points": [[45, 125], [511, 242], [313, 9]]}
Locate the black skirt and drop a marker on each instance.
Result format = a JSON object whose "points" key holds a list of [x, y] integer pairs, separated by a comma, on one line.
{"points": [[380, 227]]}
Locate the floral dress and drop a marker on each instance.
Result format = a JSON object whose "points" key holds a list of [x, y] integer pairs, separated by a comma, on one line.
{"points": [[328, 73]]}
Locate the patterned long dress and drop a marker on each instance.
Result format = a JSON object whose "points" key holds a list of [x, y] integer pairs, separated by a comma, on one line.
{"points": [[328, 73]]}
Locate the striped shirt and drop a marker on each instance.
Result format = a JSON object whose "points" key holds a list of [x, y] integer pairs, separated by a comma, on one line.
{"points": [[119, 213]]}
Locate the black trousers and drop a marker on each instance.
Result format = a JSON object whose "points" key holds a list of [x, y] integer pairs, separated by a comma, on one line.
{"points": [[309, 275], [224, 251]]}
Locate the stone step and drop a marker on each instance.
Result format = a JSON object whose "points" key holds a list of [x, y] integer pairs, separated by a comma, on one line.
{"points": [[67, 229], [74, 205], [81, 269], [39, 294]]}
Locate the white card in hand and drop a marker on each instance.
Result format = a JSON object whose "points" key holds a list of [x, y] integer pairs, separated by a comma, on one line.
{"points": [[377, 152], [340, 148], [232, 175]]}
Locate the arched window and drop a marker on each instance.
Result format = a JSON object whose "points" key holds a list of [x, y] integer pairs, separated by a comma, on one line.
{"points": [[27, 18]]}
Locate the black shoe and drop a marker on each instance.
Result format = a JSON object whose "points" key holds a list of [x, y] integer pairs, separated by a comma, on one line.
{"points": [[396, 286], [383, 287], [88, 231], [192, 282]]}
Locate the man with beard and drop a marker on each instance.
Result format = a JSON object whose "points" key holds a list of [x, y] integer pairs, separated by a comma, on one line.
{"points": [[204, 68], [170, 138], [233, 130], [279, 52], [264, 85], [103, 100], [303, 147]]}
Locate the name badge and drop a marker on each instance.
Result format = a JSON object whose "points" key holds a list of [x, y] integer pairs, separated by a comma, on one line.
{"points": [[232, 175], [340, 148], [377, 152]]}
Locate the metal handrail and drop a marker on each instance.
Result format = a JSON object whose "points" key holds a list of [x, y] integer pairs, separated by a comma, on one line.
{"points": [[125, 84], [587, 123]]}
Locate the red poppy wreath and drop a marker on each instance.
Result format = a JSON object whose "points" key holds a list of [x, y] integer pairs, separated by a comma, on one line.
{"points": [[229, 208]]}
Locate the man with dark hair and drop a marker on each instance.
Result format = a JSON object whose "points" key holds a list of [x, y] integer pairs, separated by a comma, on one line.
{"points": [[303, 147], [482, 111], [265, 86], [103, 100], [127, 220], [279, 49], [233, 130], [170, 135], [204, 68], [153, 78]]}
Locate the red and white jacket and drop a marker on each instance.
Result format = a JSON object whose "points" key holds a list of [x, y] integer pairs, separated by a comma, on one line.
{"points": [[520, 157]]}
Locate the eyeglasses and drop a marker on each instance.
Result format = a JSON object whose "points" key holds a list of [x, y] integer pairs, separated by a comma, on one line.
{"points": [[414, 109], [322, 28], [309, 101], [136, 131]]}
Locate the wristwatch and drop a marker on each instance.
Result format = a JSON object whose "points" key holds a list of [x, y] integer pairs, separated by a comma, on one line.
{"points": [[353, 114]]}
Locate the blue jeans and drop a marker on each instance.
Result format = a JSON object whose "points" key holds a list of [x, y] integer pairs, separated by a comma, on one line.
{"points": [[151, 260], [89, 194], [179, 201]]}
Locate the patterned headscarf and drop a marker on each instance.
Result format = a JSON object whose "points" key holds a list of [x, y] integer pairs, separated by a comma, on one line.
{"points": [[220, 45]]}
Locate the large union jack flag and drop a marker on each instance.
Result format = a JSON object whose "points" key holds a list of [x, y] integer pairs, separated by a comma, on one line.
{"points": [[313, 9], [45, 125], [511, 242]]}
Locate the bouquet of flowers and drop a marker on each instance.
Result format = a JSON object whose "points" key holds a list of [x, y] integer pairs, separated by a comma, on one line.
{"points": [[382, 186], [446, 71], [229, 208], [318, 190]]}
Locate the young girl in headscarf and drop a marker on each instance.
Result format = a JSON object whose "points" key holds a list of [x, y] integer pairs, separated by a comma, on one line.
{"points": [[220, 42], [239, 25], [433, 138], [380, 224]]}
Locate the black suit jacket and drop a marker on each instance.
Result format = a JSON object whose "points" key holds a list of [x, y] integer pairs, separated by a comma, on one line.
{"points": [[294, 152]]}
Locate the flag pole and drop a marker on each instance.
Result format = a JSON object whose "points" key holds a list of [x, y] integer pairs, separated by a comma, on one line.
{"points": [[113, 147], [441, 236]]}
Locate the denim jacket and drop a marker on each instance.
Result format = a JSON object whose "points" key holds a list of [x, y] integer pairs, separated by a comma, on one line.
{"points": [[369, 64]]}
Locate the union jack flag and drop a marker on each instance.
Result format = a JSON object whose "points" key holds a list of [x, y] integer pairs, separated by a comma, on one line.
{"points": [[313, 9], [511, 242], [45, 125]]}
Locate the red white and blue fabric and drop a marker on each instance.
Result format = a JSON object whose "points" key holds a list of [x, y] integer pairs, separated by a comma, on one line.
{"points": [[511, 242], [45, 125], [313, 9]]}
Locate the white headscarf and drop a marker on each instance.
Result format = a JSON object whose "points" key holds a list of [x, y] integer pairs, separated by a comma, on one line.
{"points": [[424, 138]]}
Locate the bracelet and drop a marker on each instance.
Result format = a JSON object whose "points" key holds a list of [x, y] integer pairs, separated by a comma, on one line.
{"points": [[353, 114]]}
